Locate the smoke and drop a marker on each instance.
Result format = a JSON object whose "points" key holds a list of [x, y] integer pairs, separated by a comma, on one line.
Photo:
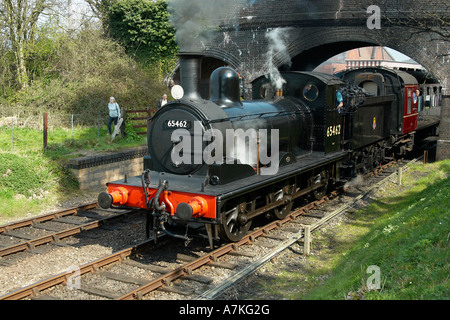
{"points": [[277, 47], [196, 21], [354, 182], [197, 24]]}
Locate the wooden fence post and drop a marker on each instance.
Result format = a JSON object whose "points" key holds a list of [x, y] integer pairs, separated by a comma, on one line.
{"points": [[45, 130], [123, 114]]}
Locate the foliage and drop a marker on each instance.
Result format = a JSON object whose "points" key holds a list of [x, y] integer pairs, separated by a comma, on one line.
{"points": [[21, 175], [131, 134], [19, 18], [100, 9], [31, 179], [78, 74], [42, 53], [143, 28], [7, 76], [44, 68]]}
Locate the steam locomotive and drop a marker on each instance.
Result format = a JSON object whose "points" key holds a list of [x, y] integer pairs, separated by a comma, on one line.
{"points": [[222, 162]]}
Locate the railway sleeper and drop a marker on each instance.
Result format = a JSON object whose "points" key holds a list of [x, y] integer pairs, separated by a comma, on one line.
{"points": [[98, 292], [123, 278], [176, 289], [212, 263]]}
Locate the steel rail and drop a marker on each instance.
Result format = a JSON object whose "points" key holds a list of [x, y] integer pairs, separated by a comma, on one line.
{"points": [[45, 217], [210, 294], [188, 268], [91, 267], [359, 197], [55, 236]]}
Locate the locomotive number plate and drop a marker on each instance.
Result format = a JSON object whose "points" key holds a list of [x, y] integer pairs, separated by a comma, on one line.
{"points": [[334, 130], [175, 124]]}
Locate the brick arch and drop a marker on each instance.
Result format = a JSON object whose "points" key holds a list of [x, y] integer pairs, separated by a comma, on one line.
{"points": [[306, 55], [310, 47], [228, 57], [321, 28]]}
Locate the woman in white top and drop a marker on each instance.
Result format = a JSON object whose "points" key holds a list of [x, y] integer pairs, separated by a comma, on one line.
{"points": [[161, 102], [114, 112]]}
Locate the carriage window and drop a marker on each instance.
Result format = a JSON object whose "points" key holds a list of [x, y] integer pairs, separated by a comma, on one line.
{"points": [[409, 101], [310, 92]]}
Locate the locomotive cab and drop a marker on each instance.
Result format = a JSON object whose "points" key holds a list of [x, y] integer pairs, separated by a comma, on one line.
{"points": [[318, 91]]}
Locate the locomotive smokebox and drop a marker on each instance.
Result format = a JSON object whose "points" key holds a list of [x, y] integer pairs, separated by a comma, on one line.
{"points": [[190, 73]]}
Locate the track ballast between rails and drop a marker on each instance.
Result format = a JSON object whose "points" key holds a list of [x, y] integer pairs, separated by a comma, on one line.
{"points": [[23, 240]]}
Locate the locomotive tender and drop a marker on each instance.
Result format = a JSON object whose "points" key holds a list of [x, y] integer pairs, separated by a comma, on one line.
{"points": [[316, 146]]}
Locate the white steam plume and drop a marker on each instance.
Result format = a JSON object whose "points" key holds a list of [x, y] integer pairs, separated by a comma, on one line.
{"points": [[277, 46]]}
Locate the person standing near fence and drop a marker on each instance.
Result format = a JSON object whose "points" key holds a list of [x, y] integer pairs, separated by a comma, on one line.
{"points": [[114, 113], [161, 102]]}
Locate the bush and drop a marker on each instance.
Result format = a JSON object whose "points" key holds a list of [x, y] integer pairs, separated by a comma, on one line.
{"points": [[143, 28], [21, 175], [83, 71]]}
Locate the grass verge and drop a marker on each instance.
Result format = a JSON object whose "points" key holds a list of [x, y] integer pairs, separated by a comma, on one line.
{"points": [[32, 180], [403, 236]]}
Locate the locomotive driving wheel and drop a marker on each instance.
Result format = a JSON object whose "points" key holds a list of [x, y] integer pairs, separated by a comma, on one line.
{"points": [[321, 178], [234, 224], [282, 211]]}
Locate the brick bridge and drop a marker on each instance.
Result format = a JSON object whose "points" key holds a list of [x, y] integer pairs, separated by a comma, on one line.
{"points": [[313, 31]]}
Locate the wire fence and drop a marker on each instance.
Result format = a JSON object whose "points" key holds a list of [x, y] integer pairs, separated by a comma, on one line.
{"points": [[55, 120], [67, 126]]}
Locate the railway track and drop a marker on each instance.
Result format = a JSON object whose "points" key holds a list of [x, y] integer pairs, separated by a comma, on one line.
{"points": [[137, 272], [30, 233]]}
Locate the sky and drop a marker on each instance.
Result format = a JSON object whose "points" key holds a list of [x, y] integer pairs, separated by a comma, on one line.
{"points": [[398, 56]]}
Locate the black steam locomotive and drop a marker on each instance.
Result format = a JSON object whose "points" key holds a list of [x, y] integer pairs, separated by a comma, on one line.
{"points": [[222, 162]]}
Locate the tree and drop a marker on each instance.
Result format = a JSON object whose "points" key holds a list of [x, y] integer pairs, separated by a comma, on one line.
{"points": [[101, 9], [143, 28], [433, 20], [19, 19]]}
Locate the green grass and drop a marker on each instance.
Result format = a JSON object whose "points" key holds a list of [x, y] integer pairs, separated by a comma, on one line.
{"points": [[405, 233], [32, 180], [63, 144], [408, 241]]}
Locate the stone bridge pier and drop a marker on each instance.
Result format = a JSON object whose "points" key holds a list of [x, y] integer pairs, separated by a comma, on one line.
{"points": [[443, 144]]}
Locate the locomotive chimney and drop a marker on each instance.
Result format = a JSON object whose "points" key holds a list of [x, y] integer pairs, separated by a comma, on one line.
{"points": [[190, 73]]}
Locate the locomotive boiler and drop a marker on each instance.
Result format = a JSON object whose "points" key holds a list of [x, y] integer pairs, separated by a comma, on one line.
{"points": [[223, 117]]}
